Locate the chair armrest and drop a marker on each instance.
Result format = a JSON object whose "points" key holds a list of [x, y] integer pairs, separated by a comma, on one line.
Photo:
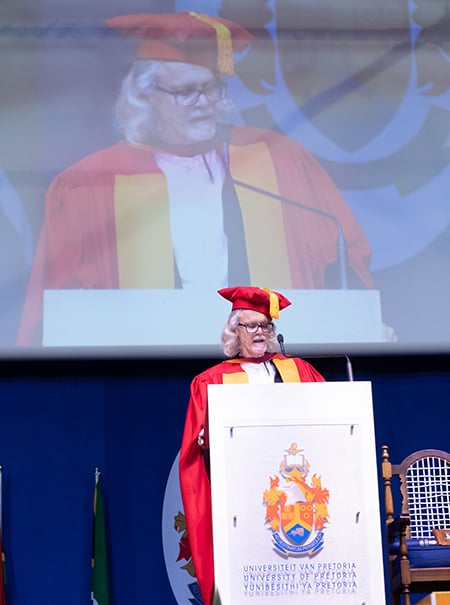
{"points": [[398, 527], [397, 530]]}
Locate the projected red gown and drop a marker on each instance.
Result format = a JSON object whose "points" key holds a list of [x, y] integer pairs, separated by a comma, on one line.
{"points": [[194, 481], [94, 206]]}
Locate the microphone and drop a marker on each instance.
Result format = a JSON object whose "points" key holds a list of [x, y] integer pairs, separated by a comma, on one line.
{"points": [[341, 243], [280, 339]]}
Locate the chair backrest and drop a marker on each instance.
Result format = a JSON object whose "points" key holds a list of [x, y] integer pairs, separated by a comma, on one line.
{"points": [[425, 488]]}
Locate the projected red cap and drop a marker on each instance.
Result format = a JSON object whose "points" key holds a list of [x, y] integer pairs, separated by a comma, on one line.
{"points": [[257, 299], [188, 37]]}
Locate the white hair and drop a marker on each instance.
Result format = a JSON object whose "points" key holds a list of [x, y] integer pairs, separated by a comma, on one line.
{"points": [[135, 117], [230, 338], [134, 114]]}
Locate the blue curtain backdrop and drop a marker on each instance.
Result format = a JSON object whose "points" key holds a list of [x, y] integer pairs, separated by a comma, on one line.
{"points": [[59, 420]]}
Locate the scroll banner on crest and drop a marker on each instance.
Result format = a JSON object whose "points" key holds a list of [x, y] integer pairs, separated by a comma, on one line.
{"points": [[295, 494]]}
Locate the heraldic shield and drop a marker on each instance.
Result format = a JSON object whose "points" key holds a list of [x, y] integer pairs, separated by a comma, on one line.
{"points": [[297, 526], [297, 521]]}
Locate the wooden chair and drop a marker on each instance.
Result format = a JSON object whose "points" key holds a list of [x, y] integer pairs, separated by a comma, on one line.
{"points": [[418, 537]]}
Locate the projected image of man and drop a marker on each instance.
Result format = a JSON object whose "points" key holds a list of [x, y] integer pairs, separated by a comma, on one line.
{"points": [[161, 209]]}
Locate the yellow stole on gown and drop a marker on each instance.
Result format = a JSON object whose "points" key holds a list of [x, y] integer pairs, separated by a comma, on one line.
{"points": [[144, 245]]}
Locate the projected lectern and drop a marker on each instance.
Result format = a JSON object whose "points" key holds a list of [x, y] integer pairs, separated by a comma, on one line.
{"points": [[294, 494], [84, 318]]}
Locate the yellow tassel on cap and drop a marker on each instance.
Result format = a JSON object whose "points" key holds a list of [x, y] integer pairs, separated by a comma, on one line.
{"points": [[225, 63], [274, 304]]}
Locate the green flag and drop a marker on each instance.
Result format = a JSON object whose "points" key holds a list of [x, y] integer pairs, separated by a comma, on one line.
{"points": [[100, 576]]}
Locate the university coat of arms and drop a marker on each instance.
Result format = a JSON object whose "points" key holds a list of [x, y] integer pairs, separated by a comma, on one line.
{"points": [[297, 510]]}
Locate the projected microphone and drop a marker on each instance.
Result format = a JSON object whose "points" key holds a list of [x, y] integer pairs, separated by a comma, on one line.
{"points": [[341, 243], [280, 339]]}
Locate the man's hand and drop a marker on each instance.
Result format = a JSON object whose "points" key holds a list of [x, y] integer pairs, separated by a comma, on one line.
{"points": [[201, 438]]}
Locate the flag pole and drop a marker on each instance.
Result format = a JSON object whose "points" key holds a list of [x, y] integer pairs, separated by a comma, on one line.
{"points": [[1, 502], [2, 552]]}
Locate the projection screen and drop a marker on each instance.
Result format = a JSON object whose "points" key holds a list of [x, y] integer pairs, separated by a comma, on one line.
{"points": [[321, 171]]}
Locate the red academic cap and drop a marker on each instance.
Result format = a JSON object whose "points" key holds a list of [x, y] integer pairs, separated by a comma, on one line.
{"points": [[257, 299], [189, 37]]}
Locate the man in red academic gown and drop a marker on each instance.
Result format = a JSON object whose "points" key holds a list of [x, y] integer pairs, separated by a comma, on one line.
{"points": [[249, 340]]}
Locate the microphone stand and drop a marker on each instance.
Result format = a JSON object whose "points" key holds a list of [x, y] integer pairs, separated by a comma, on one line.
{"points": [[350, 378], [340, 355]]}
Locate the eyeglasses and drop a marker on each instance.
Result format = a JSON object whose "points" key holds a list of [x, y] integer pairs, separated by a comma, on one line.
{"points": [[253, 328], [214, 92]]}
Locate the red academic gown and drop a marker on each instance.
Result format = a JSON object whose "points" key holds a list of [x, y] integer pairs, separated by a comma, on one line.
{"points": [[94, 206], [194, 481]]}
